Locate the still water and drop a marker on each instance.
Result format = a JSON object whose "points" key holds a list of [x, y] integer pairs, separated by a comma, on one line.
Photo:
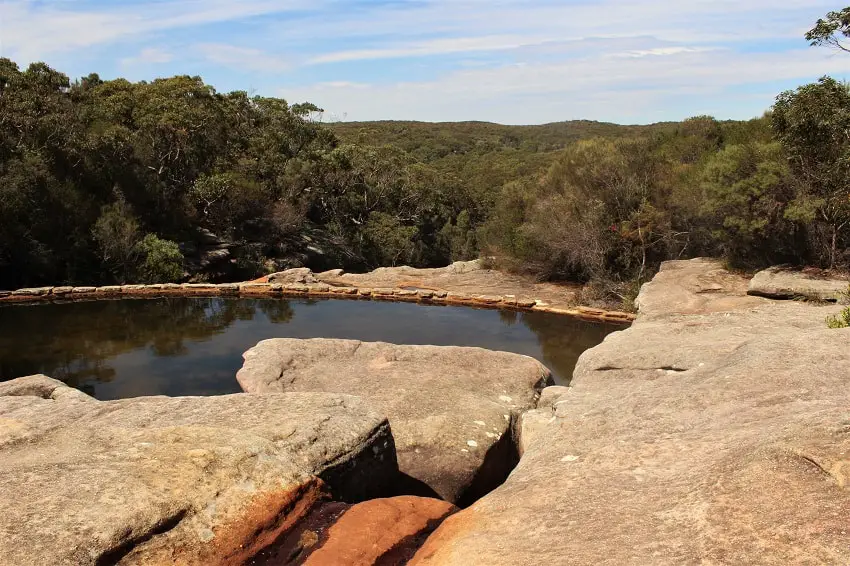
{"points": [[132, 348]]}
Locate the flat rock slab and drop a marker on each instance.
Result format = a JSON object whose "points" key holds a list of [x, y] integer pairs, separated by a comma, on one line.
{"points": [[450, 408], [470, 278], [381, 531], [716, 430], [785, 283], [174, 480]]}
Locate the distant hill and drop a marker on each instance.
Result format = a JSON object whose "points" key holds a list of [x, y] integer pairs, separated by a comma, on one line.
{"points": [[432, 141]]}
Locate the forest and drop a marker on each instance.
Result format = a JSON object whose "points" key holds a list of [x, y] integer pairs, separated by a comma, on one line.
{"points": [[169, 180]]}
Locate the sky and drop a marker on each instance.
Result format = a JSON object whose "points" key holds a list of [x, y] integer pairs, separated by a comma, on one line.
{"points": [[507, 61]]}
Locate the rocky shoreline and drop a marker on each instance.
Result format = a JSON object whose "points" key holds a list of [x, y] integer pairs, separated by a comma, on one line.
{"points": [[424, 286], [714, 430]]}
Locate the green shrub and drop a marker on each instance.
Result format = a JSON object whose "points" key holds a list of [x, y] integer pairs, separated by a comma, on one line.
{"points": [[841, 320], [116, 236], [163, 262]]}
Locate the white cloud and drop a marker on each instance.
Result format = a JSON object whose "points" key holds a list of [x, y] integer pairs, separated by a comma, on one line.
{"points": [[242, 58], [148, 56], [505, 60], [32, 31], [661, 51], [431, 47], [594, 87]]}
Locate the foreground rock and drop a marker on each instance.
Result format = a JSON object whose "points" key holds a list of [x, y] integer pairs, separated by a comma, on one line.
{"points": [[174, 481], [382, 532], [715, 430], [450, 408], [786, 283]]}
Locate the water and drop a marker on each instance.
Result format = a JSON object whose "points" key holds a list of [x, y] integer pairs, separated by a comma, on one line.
{"points": [[131, 348]]}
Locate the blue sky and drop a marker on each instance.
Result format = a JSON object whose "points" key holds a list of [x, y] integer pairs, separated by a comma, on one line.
{"points": [[508, 61]]}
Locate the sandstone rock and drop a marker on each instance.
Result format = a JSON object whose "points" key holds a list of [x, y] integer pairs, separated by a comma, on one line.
{"points": [[109, 290], [330, 274], [784, 283], [450, 408], [228, 289], [174, 481], [697, 286], [714, 431], [465, 279], [296, 288], [83, 290], [300, 275], [343, 290], [381, 531], [208, 258], [532, 424], [257, 288], [34, 292]]}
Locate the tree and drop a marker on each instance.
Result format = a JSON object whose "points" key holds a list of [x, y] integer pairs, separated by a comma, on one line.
{"points": [[602, 212], [831, 30], [746, 190], [116, 234], [388, 241], [813, 125]]}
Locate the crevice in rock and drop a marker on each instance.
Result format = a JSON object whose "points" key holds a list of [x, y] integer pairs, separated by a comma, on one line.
{"points": [[114, 555], [832, 474], [312, 534], [404, 550], [499, 462], [367, 475], [352, 482], [662, 368], [296, 545]]}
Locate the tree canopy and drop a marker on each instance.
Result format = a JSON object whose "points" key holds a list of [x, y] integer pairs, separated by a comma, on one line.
{"points": [[116, 181]]}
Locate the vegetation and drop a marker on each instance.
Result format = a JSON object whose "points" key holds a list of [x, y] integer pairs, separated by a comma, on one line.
{"points": [[106, 181], [841, 320]]}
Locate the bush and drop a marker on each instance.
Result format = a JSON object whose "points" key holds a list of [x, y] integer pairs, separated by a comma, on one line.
{"points": [[601, 212], [747, 188], [116, 235], [163, 262], [841, 320]]}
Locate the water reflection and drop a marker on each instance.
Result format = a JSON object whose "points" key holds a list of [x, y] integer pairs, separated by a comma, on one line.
{"points": [[129, 348]]}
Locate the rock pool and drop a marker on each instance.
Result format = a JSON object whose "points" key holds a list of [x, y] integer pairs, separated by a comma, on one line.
{"points": [[191, 346]]}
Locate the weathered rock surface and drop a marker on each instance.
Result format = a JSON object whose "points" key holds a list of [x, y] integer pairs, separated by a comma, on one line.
{"points": [[174, 480], [785, 283], [716, 430], [382, 532], [450, 408], [300, 275], [468, 278]]}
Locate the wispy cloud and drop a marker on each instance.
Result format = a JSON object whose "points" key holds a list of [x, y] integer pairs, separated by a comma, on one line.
{"points": [[442, 46], [504, 60], [148, 56], [242, 58], [662, 51], [37, 29]]}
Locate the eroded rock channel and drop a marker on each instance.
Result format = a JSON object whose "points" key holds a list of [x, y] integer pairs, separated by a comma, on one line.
{"points": [[451, 409]]}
